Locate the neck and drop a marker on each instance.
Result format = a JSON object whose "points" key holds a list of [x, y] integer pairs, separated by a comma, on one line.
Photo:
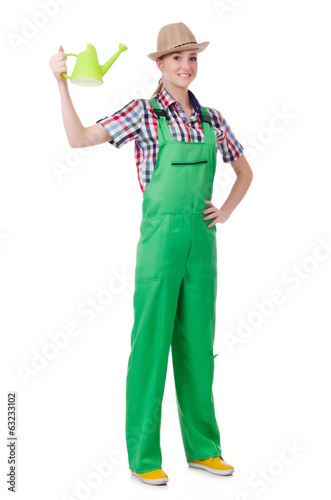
{"points": [[179, 94]]}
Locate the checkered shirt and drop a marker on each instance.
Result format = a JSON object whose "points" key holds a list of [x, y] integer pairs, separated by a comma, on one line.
{"points": [[137, 121]]}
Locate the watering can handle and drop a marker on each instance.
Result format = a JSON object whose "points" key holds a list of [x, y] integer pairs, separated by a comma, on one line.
{"points": [[64, 74]]}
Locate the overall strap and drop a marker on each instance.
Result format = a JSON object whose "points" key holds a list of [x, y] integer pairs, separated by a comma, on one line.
{"points": [[208, 129], [162, 119], [205, 119]]}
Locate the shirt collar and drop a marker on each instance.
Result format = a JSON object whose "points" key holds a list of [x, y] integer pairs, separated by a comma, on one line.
{"points": [[166, 99]]}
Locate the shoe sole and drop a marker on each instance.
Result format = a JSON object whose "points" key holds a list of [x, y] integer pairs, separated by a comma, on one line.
{"points": [[218, 472], [154, 482]]}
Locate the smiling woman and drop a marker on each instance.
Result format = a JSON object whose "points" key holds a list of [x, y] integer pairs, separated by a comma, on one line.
{"points": [[176, 142]]}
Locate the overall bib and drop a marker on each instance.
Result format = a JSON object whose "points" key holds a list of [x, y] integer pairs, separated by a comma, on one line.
{"points": [[174, 302]]}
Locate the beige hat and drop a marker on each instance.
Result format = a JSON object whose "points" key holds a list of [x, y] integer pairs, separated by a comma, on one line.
{"points": [[174, 37]]}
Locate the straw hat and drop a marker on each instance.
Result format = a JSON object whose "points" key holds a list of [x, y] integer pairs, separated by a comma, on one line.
{"points": [[174, 37]]}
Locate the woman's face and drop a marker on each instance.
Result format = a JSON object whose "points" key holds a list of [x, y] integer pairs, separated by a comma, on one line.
{"points": [[179, 68]]}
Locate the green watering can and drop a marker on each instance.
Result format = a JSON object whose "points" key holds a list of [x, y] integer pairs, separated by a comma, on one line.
{"points": [[87, 71]]}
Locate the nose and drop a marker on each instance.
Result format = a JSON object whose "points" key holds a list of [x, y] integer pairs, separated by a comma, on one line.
{"points": [[187, 66]]}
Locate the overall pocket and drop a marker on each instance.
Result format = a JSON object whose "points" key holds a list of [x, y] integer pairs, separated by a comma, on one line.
{"points": [[176, 163]]}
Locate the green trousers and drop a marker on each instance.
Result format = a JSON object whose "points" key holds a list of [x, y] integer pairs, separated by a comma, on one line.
{"points": [[174, 302]]}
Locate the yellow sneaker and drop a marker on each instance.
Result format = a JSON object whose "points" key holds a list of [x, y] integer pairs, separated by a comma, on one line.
{"points": [[215, 465], [156, 477]]}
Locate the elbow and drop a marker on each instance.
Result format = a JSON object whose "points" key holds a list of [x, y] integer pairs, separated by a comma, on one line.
{"points": [[77, 144], [249, 177], [80, 141]]}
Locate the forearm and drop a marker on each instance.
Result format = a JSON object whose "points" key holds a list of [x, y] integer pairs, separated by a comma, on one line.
{"points": [[238, 191], [72, 124]]}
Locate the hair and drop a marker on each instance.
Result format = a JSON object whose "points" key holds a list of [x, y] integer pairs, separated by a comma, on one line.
{"points": [[160, 83]]}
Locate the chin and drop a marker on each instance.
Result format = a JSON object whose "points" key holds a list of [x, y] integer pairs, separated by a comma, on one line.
{"points": [[183, 83]]}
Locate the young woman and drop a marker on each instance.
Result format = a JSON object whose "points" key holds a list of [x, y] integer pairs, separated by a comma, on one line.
{"points": [[176, 141]]}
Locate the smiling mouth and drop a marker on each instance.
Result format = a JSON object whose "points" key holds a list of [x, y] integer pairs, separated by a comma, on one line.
{"points": [[184, 75]]}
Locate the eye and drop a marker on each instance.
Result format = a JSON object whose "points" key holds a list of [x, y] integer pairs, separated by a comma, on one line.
{"points": [[193, 57]]}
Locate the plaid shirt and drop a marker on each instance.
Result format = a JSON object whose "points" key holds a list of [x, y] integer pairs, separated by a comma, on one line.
{"points": [[137, 121]]}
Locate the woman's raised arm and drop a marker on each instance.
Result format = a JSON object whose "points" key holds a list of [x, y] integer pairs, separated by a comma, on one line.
{"points": [[78, 135]]}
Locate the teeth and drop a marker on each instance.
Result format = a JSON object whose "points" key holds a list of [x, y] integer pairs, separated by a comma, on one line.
{"points": [[184, 74]]}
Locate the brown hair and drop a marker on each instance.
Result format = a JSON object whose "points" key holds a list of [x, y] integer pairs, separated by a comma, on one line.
{"points": [[160, 83]]}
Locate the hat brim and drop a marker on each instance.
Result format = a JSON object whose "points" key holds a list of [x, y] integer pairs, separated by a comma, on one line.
{"points": [[199, 47]]}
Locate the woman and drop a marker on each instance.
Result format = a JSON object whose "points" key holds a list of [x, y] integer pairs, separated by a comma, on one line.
{"points": [[176, 141]]}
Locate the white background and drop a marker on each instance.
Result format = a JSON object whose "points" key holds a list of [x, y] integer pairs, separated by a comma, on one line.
{"points": [[65, 239]]}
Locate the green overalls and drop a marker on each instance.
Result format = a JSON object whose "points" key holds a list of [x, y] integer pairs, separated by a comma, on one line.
{"points": [[174, 302]]}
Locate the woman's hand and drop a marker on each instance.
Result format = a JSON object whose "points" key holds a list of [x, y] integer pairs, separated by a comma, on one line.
{"points": [[58, 64], [217, 214]]}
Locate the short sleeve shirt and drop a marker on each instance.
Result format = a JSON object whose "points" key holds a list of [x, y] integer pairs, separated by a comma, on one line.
{"points": [[137, 121]]}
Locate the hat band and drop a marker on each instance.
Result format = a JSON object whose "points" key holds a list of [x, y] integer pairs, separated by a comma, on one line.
{"points": [[180, 45]]}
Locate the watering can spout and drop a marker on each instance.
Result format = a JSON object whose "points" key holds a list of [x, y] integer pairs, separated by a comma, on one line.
{"points": [[105, 67]]}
